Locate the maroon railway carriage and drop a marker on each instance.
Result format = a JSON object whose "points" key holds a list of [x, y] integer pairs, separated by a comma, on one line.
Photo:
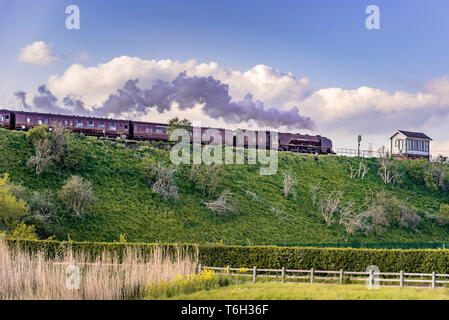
{"points": [[149, 130], [158, 132], [6, 118], [22, 120], [86, 125]]}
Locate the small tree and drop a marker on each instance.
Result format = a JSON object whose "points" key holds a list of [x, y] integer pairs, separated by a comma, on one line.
{"points": [[58, 136], [360, 172], [289, 182], [176, 123], [77, 194], [328, 205], [42, 158], [389, 169]]}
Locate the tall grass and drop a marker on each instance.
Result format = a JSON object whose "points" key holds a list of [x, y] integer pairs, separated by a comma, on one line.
{"points": [[25, 276]]}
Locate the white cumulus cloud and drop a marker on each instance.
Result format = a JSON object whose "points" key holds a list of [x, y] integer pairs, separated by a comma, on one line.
{"points": [[38, 53]]}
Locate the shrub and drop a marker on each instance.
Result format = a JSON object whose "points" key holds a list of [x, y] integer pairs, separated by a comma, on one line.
{"points": [[162, 178], [38, 133], [207, 178], [328, 205], [408, 219], [75, 157], [77, 194], [23, 232], [58, 137], [11, 208], [223, 205], [442, 216], [289, 182], [415, 170], [42, 158]]}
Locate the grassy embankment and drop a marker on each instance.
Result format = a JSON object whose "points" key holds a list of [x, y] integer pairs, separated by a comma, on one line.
{"points": [[126, 204]]}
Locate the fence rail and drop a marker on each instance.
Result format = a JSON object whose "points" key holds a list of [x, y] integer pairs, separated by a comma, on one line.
{"points": [[372, 278], [356, 153]]}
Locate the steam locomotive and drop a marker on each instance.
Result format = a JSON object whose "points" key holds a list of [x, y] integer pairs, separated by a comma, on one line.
{"points": [[22, 120]]}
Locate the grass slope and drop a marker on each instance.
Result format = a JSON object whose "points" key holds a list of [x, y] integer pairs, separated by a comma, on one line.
{"points": [[126, 203]]}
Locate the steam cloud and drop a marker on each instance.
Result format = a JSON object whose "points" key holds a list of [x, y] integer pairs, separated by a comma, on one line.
{"points": [[184, 91]]}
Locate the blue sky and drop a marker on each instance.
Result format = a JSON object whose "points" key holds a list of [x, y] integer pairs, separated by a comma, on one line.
{"points": [[325, 41]]}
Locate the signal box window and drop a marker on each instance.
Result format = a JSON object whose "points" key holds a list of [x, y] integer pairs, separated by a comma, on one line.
{"points": [[149, 130], [90, 124], [79, 124], [113, 127], [28, 120], [1, 117]]}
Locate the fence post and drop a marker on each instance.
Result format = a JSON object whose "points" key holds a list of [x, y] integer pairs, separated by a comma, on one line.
{"points": [[433, 279], [283, 274], [199, 268], [311, 275], [254, 274], [371, 278], [227, 271], [341, 276], [401, 278]]}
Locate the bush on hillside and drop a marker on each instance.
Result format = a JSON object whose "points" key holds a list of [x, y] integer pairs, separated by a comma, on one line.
{"points": [[23, 232], [38, 133], [207, 178], [12, 210], [77, 194], [224, 205], [160, 177]]}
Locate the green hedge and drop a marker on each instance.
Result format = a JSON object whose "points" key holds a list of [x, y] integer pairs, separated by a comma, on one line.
{"points": [[388, 260]]}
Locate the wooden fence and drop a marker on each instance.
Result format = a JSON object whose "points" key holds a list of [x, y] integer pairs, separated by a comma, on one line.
{"points": [[371, 278]]}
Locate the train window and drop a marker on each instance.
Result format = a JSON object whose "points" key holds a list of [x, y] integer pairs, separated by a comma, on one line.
{"points": [[90, 124], [1, 117], [71, 123], [112, 126], [101, 126], [28, 120], [46, 121], [66, 123], [79, 124], [39, 121], [160, 130]]}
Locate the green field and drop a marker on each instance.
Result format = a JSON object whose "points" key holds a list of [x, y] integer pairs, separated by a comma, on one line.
{"points": [[295, 291], [127, 205]]}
